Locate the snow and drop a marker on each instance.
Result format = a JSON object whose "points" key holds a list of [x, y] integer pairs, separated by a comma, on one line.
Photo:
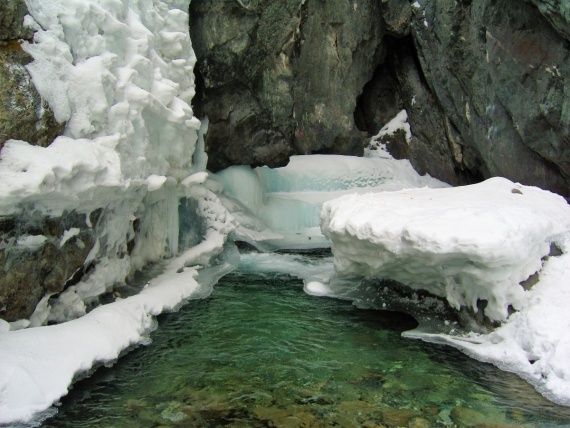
{"points": [[32, 242], [316, 288], [67, 168], [469, 244], [155, 182], [398, 123], [67, 235], [534, 342], [466, 244]]}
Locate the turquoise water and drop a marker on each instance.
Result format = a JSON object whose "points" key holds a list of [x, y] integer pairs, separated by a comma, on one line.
{"points": [[259, 352]]}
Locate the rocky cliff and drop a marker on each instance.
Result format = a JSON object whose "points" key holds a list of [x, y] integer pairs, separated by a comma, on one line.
{"points": [[485, 83]]}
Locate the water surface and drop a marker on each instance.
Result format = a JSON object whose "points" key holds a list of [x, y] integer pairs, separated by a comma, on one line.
{"points": [[259, 352]]}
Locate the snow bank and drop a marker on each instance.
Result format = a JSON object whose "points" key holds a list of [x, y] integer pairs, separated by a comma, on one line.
{"points": [[466, 244], [279, 208], [38, 365]]}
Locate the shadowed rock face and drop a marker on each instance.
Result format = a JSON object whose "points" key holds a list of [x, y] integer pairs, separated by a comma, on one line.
{"points": [[30, 268], [485, 83], [281, 78], [500, 73]]}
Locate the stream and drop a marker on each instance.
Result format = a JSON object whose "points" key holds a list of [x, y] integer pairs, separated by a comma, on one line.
{"points": [[260, 352]]}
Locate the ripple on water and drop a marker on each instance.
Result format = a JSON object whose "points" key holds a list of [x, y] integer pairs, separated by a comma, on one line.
{"points": [[259, 352]]}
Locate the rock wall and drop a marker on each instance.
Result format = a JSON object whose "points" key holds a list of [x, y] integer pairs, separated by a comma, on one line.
{"points": [[500, 72], [279, 78], [23, 114], [39, 256], [485, 83]]}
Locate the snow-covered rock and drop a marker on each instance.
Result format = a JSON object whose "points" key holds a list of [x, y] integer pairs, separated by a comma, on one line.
{"points": [[467, 244]]}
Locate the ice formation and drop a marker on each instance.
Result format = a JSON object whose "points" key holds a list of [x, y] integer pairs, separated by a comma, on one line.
{"points": [[120, 74], [279, 208], [470, 245]]}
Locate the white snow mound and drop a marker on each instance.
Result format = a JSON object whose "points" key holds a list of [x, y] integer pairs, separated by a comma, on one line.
{"points": [[466, 244]]}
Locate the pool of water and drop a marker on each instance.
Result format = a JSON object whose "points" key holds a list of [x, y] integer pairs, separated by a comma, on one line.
{"points": [[259, 352]]}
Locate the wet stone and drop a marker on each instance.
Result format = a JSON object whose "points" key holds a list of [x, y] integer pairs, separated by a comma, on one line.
{"points": [[419, 423], [397, 417]]}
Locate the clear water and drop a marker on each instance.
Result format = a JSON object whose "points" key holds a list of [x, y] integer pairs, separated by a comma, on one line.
{"points": [[259, 352]]}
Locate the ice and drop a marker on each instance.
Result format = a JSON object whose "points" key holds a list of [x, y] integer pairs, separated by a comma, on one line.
{"points": [[287, 201], [468, 245]]}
